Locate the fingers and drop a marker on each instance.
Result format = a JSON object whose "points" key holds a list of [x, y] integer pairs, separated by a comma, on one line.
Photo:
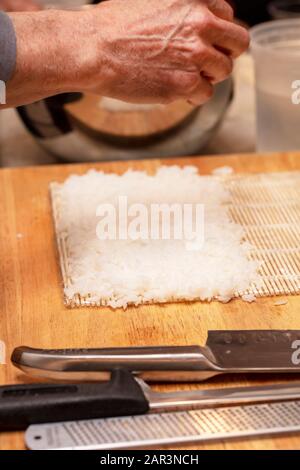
{"points": [[184, 85], [231, 37], [221, 8], [217, 66], [228, 37], [202, 93]]}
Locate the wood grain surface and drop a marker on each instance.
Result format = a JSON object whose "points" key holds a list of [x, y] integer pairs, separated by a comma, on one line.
{"points": [[32, 309]]}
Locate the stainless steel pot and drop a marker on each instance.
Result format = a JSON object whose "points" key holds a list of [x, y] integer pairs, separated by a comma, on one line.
{"points": [[53, 129]]}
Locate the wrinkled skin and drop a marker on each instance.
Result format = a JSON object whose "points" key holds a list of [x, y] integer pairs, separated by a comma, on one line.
{"points": [[163, 50], [138, 51]]}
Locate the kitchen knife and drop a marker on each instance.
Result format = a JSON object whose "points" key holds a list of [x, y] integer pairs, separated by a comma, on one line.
{"points": [[123, 395], [225, 352]]}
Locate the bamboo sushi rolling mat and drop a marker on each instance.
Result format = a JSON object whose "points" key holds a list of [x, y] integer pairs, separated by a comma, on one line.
{"points": [[32, 308], [268, 208]]}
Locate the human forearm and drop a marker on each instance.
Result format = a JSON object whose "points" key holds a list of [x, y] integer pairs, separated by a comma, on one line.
{"points": [[52, 56], [150, 52]]}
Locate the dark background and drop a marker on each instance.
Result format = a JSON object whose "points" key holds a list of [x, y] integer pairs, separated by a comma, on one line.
{"points": [[251, 11]]}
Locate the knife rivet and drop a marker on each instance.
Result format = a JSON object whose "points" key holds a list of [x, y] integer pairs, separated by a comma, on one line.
{"points": [[242, 339], [227, 339]]}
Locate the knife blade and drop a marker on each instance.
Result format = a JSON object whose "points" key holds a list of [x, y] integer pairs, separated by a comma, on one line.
{"points": [[254, 351], [124, 395]]}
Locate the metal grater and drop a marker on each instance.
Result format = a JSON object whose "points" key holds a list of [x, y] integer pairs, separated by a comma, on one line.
{"points": [[168, 428]]}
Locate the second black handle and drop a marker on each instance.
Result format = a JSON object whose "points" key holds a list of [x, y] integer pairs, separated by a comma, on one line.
{"points": [[23, 405]]}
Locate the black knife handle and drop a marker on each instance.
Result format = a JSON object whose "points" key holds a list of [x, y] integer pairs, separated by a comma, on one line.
{"points": [[23, 405]]}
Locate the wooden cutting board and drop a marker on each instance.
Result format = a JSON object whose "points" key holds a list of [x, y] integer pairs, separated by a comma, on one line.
{"points": [[32, 309]]}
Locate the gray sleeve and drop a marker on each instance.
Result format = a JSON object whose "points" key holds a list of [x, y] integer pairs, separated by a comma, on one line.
{"points": [[8, 47]]}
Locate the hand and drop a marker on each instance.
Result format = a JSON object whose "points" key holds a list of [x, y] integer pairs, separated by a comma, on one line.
{"points": [[139, 51], [160, 50], [19, 5]]}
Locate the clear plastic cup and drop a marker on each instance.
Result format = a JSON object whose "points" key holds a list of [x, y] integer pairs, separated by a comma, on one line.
{"points": [[276, 51]]}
